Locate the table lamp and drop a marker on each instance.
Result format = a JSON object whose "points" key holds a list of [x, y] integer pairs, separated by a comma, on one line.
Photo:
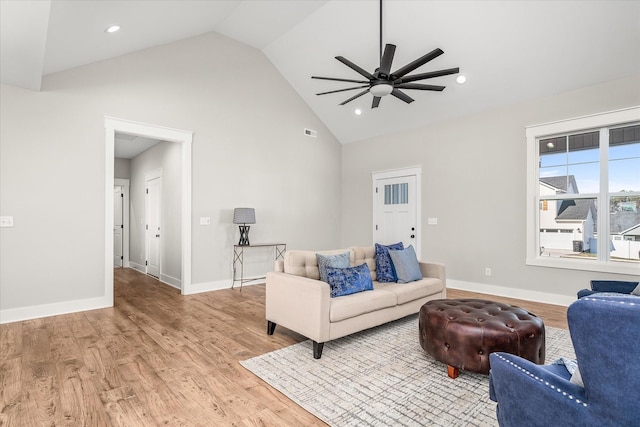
{"points": [[244, 216]]}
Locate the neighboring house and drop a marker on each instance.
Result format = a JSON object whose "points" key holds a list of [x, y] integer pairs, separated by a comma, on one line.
{"points": [[625, 234], [565, 224]]}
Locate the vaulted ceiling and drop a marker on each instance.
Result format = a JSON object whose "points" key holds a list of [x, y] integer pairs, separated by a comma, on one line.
{"points": [[510, 51]]}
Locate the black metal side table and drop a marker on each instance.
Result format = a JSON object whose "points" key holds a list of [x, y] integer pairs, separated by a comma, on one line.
{"points": [[238, 258]]}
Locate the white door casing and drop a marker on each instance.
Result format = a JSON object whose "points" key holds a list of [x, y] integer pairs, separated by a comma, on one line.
{"points": [[185, 139], [396, 207], [152, 208], [118, 226]]}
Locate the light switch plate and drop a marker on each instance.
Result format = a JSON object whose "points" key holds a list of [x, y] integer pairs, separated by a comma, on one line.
{"points": [[6, 221], [432, 221]]}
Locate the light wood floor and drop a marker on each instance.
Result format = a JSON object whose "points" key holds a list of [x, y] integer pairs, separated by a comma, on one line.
{"points": [[156, 358]]}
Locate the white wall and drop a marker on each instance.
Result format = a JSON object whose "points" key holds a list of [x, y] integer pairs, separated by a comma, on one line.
{"points": [[248, 149], [122, 168], [164, 156], [474, 182]]}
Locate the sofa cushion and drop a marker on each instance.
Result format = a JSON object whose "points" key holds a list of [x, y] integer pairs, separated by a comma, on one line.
{"points": [[407, 292], [354, 305], [347, 281], [613, 286], [405, 263], [305, 263], [335, 261], [385, 272], [364, 254]]}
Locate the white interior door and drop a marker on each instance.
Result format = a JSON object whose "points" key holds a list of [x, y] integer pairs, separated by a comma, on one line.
{"points": [[118, 226], [152, 214], [396, 211]]}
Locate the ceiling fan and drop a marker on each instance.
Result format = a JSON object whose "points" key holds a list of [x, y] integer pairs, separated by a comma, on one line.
{"points": [[383, 81]]}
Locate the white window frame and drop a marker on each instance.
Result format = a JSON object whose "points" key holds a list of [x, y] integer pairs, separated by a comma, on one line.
{"points": [[534, 133]]}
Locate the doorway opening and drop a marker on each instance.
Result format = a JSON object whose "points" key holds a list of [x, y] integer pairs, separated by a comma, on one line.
{"points": [[121, 223], [184, 138]]}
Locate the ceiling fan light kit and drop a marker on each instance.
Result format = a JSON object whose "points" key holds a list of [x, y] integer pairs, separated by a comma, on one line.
{"points": [[383, 82]]}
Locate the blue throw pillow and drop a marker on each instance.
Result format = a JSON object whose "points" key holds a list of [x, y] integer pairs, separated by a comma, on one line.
{"points": [[384, 267], [347, 281], [405, 262], [336, 261]]}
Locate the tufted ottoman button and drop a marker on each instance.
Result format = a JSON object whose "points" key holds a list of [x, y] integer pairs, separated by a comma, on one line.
{"points": [[458, 335]]}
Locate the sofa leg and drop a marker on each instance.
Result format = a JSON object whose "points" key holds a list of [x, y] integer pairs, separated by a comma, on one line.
{"points": [[271, 327], [317, 349]]}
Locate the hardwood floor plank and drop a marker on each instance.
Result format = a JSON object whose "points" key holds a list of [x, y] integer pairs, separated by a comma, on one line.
{"points": [[157, 358]]}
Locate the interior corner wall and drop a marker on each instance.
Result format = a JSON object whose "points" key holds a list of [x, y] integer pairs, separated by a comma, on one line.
{"points": [[474, 182], [248, 149]]}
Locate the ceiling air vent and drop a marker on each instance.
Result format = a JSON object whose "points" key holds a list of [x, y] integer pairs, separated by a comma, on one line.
{"points": [[311, 133]]}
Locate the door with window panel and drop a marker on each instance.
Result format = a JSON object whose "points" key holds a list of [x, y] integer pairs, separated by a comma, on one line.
{"points": [[396, 206]]}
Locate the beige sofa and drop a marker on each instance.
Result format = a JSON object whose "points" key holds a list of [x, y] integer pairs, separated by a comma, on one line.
{"points": [[297, 299]]}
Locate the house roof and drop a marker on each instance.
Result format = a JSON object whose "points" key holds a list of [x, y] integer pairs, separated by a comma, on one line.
{"points": [[576, 210], [624, 222], [560, 182]]}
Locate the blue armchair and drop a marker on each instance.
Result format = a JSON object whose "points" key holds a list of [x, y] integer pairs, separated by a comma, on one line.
{"points": [[598, 286], [606, 336]]}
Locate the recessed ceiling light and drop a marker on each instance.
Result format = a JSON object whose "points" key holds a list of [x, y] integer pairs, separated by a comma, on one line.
{"points": [[112, 29], [358, 111], [461, 79]]}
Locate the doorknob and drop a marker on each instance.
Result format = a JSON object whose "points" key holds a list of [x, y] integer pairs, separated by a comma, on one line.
{"points": [[157, 235], [413, 236]]}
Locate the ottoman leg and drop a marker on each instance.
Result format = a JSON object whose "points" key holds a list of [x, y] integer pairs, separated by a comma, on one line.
{"points": [[452, 372]]}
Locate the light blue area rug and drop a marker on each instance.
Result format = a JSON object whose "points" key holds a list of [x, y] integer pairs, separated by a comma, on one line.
{"points": [[382, 377]]}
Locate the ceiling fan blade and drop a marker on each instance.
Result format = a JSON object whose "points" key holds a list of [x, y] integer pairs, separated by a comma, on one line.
{"points": [[428, 75], [355, 68], [342, 90], [376, 102], [354, 97], [339, 80], [386, 60], [417, 63], [403, 96], [420, 86]]}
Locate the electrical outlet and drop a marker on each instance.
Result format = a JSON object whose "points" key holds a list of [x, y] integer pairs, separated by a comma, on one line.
{"points": [[487, 271], [205, 220], [6, 221]]}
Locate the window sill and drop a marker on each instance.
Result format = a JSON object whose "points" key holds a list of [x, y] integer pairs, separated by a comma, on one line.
{"points": [[629, 268]]}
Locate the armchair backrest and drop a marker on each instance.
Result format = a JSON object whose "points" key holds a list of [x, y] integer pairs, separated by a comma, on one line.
{"points": [[605, 331]]}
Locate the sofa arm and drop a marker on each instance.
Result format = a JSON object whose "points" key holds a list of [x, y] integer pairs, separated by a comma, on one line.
{"points": [[298, 303], [434, 269], [531, 395]]}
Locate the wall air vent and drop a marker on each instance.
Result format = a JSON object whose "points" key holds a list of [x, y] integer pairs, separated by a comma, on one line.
{"points": [[311, 133]]}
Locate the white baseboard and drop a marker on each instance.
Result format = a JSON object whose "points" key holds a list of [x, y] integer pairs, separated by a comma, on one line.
{"points": [[197, 288], [171, 281], [54, 309], [138, 267], [502, 291]]}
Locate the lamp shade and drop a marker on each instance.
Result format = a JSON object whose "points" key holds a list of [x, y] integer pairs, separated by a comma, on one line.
{"points": [[244, 216]]}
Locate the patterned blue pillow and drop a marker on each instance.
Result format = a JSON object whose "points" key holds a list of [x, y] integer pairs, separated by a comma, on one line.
{"points": [[335, 261], [385, 272], [347, 281], [405, 262]]}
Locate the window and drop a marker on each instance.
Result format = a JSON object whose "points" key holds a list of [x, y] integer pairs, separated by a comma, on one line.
{"points": [[396, 194], [583, 193]]}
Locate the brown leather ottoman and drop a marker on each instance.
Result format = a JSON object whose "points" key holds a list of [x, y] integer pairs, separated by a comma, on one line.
{"points": [[462, 333]]}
